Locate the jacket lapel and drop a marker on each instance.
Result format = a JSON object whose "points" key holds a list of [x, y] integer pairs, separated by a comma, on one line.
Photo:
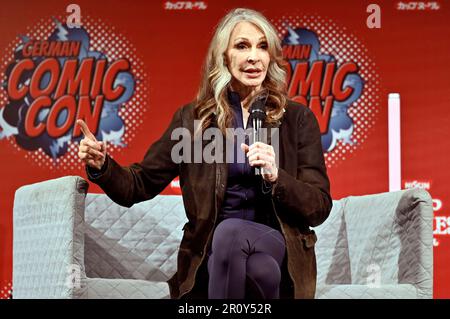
{"points": [[221, 175]]}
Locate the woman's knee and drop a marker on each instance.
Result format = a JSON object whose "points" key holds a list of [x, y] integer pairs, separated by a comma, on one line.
{"points": [[227, 232], [264, 271], [227, 239]]}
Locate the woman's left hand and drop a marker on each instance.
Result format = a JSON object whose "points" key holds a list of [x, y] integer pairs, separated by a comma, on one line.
{"points": [[262, 155]]}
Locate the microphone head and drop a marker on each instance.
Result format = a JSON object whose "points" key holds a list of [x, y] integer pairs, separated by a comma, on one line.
{"points": [[257, 109]]}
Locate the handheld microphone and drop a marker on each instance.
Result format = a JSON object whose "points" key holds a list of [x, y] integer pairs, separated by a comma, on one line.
{"points": [[258, 115]]}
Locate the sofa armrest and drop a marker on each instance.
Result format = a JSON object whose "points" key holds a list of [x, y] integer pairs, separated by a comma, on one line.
{"points": [[414, 214], [392, 232], [48, 239]]}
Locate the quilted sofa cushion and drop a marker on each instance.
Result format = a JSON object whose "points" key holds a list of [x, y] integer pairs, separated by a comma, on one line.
{"points": [[100, 288], [366, 292]]}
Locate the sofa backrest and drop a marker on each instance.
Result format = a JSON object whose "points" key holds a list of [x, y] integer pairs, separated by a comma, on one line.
{"points": [[140, 242]]}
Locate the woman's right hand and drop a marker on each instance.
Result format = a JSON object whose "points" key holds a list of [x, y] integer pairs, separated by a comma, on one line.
{"points": [[91, 151]]}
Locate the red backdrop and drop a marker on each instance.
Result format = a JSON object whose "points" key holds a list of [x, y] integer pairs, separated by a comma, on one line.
{"points": [[166, 42]]}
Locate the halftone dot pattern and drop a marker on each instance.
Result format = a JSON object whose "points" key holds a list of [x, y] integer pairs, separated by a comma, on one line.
{"points": [[6, 291], [338, 41], [106, 39], [6, 58]]}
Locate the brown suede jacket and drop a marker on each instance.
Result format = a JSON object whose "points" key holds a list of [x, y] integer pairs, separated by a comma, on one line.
{"points": [[300, 199]]}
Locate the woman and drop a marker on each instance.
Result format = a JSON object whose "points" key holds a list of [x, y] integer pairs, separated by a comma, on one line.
{"points": [[247, 235]]}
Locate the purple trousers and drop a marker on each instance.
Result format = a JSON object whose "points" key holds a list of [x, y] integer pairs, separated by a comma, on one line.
{"points": [[245, 253]]}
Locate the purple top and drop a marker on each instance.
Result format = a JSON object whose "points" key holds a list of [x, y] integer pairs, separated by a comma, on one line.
{"points": [[242, 184]]}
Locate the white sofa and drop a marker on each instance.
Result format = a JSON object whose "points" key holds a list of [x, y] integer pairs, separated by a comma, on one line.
{"points": [[71, 245]]}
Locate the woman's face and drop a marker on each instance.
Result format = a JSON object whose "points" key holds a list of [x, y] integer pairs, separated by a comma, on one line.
{"points": [[247, 56]]}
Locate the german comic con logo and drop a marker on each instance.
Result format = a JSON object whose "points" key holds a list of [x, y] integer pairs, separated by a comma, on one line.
{"points": [[330, 71], [52, 82]]}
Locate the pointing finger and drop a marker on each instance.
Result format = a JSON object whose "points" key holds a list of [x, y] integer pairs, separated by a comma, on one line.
{"points": [[84, 128]]}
